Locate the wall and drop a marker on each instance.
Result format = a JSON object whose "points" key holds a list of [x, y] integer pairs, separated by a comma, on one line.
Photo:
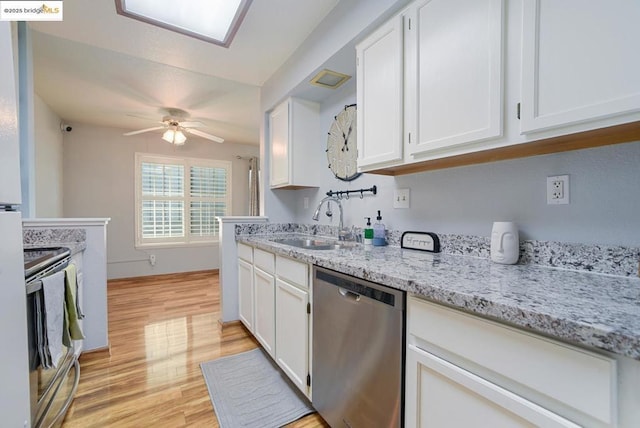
{"points": [[605, 200], [26, 121], [99, 182], [346, 22], [603, 181], [48, 161]]}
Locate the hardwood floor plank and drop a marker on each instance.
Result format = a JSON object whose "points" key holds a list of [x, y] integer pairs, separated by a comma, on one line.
{"points": [[160, 329]]}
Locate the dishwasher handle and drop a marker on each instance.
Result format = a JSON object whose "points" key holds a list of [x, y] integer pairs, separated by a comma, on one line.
{"points": [[356, 289], [349, 294]]}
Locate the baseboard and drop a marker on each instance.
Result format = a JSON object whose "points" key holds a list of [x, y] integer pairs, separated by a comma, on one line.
{"points": [[225, 324], [96, 351], [165, 275]]}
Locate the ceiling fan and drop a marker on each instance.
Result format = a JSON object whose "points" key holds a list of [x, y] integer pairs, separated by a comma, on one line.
{"points": [[176, 127]]}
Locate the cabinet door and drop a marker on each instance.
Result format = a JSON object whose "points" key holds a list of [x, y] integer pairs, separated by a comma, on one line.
{"points": [[264, 321], [279, 139], [440, 394], [380, 95], [245, 293], [292, 332], [294, 141], [579, 62], [456, 77]]}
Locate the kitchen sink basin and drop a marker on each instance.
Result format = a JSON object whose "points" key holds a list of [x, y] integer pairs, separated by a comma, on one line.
{"points": [[315, 244]]}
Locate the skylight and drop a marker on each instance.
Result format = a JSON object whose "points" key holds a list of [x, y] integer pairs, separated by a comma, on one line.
{"points": [[214, 21]]}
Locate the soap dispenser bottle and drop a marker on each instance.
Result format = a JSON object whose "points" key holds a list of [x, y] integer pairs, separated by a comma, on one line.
{"points": [[379, 232], [368, 233]]}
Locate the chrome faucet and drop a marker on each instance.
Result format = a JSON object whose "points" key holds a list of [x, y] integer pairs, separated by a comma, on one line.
{"points": [[343, 235]]}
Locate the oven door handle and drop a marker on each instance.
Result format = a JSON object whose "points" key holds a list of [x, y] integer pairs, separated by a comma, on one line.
{"points": [[67, 402]]}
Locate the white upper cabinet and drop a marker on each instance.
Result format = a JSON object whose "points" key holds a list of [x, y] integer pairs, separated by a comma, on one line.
{"points": [[580, 62], [472, 80], [294, 137], [380, 95], [279, 138], [454, 73], [430, 81]]}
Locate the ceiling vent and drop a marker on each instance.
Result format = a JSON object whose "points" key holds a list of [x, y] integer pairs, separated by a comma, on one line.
{"points": [[329, 79]]}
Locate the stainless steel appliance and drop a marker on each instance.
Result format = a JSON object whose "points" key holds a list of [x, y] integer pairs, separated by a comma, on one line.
{"points": [[51, 390], [358, 348]]}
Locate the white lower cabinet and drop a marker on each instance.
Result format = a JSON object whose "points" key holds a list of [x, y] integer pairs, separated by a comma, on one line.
{"points": [[441, 394], [264, 327], [292, 332], [293, 321], [274, 304], [465, 371], [245, 293], [245, 286]]}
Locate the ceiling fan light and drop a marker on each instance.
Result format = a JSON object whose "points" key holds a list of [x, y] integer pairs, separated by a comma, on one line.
{"points": [[179, 138], [169, 135]]}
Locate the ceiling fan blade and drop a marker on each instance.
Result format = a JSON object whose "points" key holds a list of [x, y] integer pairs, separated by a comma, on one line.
{"points": [[193, 124], [144, 118], [143, 130], [204, 135]]}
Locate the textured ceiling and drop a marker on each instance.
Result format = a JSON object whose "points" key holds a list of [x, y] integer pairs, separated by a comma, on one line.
{"points": [[98, 67]]}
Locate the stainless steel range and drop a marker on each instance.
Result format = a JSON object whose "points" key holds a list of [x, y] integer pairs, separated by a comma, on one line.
{"points": [[51, 389]]}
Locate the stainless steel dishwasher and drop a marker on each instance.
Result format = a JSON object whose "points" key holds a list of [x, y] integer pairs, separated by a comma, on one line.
{"points": [[358, 348]]}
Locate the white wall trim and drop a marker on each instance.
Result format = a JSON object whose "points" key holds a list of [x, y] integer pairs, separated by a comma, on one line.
{"points": [[65, 222]]}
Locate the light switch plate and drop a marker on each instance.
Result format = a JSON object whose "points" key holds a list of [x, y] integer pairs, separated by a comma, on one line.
{"points": [[401, 198]]}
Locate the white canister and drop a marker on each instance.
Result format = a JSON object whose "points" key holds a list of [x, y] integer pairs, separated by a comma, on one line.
{"points": [[505, 242]]}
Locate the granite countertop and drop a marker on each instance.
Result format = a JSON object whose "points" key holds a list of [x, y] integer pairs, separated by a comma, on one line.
{"points": [[586, 309], [74, 247]]}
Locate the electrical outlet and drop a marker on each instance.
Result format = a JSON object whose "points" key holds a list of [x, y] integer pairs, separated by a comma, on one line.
{"points": [[401, 198], [558, 190], [152, 259], [305, 202]]}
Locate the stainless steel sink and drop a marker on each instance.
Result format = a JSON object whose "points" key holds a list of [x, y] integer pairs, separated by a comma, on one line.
{"points": [[315, 244]]}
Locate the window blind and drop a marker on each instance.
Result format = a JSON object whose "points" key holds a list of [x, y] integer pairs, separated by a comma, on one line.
{"points": [[208, 188], [179, 199]]}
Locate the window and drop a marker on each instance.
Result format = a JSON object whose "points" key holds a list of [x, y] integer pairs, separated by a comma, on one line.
{"points": [[214, 21], [178, 200]]}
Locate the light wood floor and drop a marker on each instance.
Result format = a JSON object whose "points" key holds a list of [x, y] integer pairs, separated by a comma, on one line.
{"points": [[160, 329]]}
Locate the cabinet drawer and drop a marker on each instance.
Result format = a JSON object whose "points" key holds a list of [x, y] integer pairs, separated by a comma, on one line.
{"points": [[293, 271], [264, 260], [245, 252], [436, 389], [576, 378]]}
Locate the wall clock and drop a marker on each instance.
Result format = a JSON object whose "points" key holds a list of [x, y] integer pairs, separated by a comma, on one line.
{"points": [[342, 151]]}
